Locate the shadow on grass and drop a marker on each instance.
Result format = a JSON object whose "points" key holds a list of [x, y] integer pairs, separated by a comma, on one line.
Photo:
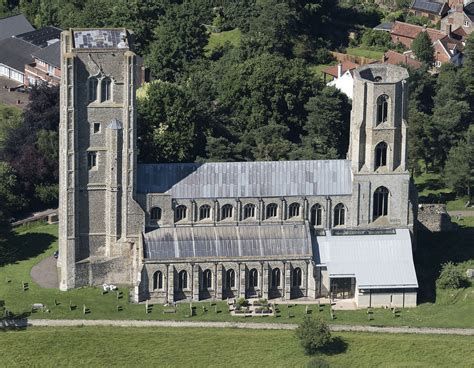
{"points": [[14, 322], [20, 247], [337, 345]]}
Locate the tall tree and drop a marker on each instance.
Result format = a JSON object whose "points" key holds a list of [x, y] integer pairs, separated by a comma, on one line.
{"points": [[423, 48]]}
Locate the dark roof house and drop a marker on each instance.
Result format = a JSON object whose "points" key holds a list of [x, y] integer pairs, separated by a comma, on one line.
{"points": [[438, 8], [41, 37], [14, 25], [50, 54], [18, 54]]}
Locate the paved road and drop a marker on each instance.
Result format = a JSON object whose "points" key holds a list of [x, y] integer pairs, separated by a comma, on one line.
{"points": [[255, 326], [45, 273]]}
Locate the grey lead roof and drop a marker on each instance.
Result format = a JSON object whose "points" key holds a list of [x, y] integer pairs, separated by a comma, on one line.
{"points": [[14, 25], [253, 241], [247, 179]]}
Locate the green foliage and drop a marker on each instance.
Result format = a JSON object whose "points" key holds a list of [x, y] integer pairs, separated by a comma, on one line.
{"points": [[9, 121], [459, 167], [47, 194], [317, 363], [451, 277], [314, 335], [242, 302], [423, 48], [372, 37]]}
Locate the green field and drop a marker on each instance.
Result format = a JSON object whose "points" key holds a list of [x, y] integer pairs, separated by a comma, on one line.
{"points": [[219, 39], [365, 52], [185, 347], [439, 308]]}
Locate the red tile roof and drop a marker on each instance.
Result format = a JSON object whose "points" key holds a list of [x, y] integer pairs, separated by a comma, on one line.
{"points": [[395, 58], [411, 31], [346, 65]]}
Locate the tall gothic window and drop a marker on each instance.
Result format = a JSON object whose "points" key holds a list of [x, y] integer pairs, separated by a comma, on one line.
{"points": [[180, 213], [382, 109], [294, 210], [204, 212], [339, 215], [253, 278], [155, 214], [230, 279], [157, 280], [380, 202], [275, 278], [316, 215], [92, 160], [227, 211], [249, 211], [207, 279], [296, 277], [182, 280], [380, 155], [105, 89], [92, 84], [271, 210]]}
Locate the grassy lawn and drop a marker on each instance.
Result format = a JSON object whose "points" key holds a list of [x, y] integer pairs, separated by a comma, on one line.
{"points": [[365, 52], [219, 39], [439, 308], [167, 347]]}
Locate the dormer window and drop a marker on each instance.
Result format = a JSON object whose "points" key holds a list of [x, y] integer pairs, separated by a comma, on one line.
{"points": [[382, 109]]}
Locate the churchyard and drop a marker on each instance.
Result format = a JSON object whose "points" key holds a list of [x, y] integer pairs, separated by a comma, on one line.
{"points": [[438, 308]]}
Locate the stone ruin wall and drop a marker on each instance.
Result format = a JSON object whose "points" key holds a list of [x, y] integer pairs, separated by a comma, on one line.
{"points": [[435, 218]]}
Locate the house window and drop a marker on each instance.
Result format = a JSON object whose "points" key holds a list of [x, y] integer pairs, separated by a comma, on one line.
{"points": [[92, 89], [438, 64], [204, 212], [316, 215], [271, 210], [229, 279], [226, 211], [155, 214], [50, 69], [157, 280], [249, 211], [294, 210], [380, 202], [96, 127], [380, 155], [382, 109], [92, 160], [180, 213], [467, 23], [105, 89], [296, 279], [339, 214], [182, 280], [206, 279], [253, 278], [275, 278]]}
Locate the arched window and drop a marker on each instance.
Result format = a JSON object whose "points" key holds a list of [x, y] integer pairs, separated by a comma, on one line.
{"points": [[380, 202], [249, 211], [180, 213], [253, 278], [155, 214], [105, 89], [380, 155], [227, 211], [339, 214], [182, 280], [204, 212], [271, 210], [275, 278], [229, 279], [92, 84], [207, 279], [296, 279], [382, 109], [316, 215], [294, 210], [157, 280]]}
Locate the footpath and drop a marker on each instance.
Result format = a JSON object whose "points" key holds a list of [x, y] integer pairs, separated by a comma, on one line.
{"points": [[24, 323]]}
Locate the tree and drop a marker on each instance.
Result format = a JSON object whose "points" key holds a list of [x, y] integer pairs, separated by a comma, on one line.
{"points": [[459, 167], [450, 277], [314, 335], [423, 48]]}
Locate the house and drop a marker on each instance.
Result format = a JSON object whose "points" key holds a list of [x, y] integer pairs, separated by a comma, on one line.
{"points": [[343, 80], [45, 67], [461, 16], [14, 25], [434, 10], [336, 71], [396, 58], [41, 37], [405, 33], [14, 54]]}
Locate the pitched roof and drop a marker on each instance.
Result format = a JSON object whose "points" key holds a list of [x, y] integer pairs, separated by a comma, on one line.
{"points": [[346, 65], [50, 54], [384, 26], [247, 179], [433, 7], [411, 31], [395, 58], [15, 53], [14, 25], [40, 37], [252, 241], [376, 261]]}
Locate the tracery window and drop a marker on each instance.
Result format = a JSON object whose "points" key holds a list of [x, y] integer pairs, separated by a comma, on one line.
{"points": [[382, 109], [155, 214], [271, 210], [230, 279], [296, 277], [105, 89], [276, 275], [294, 210], [249, 211], [253, 278], [339, 215], [207, 279], [182, 280], [380, 202], [92, 84], [380, 155], [227, 211], [204, 212], [180, 212], [157, 280], [316, 215]]}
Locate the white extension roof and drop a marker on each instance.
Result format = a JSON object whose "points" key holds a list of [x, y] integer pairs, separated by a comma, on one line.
{"points": [[381, 261]]}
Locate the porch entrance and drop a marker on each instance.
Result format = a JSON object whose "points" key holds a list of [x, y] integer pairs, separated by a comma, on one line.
{"points": [[342, 288]]}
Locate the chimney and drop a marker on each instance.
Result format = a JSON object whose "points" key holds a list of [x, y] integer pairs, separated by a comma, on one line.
{"points": [[339, 70], [448, 29]]}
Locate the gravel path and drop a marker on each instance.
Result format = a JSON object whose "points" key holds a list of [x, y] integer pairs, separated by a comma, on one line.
{"points": [[254, 326], [45, 273], [464, 213]]}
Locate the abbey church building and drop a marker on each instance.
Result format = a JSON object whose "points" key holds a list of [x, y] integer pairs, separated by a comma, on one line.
{"points": [[278, 230]]}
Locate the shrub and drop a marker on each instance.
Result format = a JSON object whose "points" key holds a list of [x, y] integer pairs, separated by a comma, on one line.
{"points": [[317, 363], [242, 302], [450, 277], [314, 335]]}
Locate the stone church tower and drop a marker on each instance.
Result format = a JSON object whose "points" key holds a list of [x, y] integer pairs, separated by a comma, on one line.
{"points": [[100, 221]]}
